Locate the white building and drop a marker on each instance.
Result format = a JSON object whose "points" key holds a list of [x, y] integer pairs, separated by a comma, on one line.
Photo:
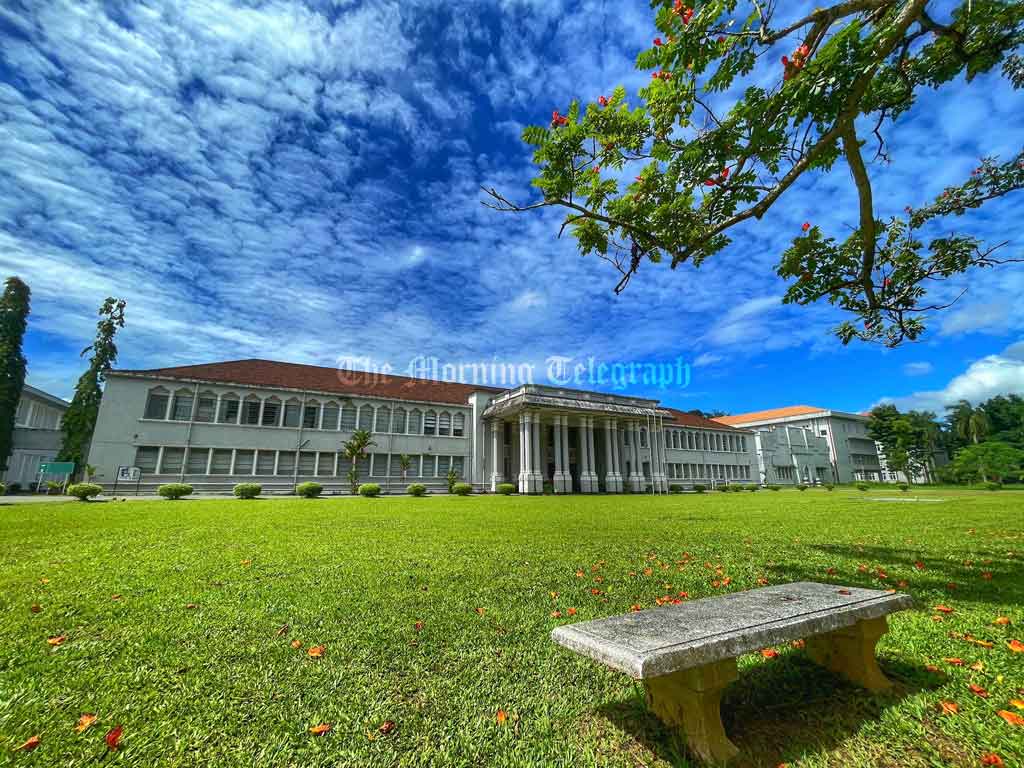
{"points": [[278, 423], [797, 436], [37, 435]]}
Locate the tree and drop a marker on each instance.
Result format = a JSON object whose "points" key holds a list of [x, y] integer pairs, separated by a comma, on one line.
{"points": [[354, 449], [404, 463], [969, 423], [909, 440], [1005, 414], [14, 311], [80, 418], [705, 167], [988, 460]]}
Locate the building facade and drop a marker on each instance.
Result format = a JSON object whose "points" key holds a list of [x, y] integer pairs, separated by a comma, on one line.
{"points": [[799, 436], [37, 436], [278, 424]]}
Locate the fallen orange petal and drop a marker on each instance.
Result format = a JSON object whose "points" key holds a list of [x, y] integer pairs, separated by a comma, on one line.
{"points": [[1016, 646], [943, 609], [978, 690], [84, 722], [1011, 717], [296, 644], [36, 608], [992, 759], [949, 707], [769, 653], [113, 737], [1018, 703], [59, 640], [1002, 621], [30, 744], [954, 661], [387, 727], [320, 730], [501, 716], [316, 651]]}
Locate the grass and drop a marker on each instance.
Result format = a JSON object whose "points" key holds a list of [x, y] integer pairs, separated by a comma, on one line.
{"points": [[194, 661]]}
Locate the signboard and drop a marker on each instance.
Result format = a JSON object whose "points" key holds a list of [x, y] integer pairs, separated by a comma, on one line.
{"points": [[57, 468], [128, 474]]}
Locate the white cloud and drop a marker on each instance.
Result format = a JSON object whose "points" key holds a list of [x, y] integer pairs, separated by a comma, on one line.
{"points": [[992, 375], [917, 369], [707, 358]]}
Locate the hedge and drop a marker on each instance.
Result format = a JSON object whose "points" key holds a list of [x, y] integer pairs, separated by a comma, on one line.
{"points": [[700, 488], [462, 489], [174, 491], [369, 490], [774, 487], [84, 491], [416, 489], [309, 490], [248, 490], [505, 489]]}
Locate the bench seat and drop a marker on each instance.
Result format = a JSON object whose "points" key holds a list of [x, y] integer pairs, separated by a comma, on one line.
{"points": [[686, 654]]}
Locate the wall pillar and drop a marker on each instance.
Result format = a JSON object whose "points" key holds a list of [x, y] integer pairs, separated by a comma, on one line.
{"points": [[497, 459], [588, 477], [536, 471], [562, 481], [611, 477], [524, 454], [565, 454], [636, 477]]}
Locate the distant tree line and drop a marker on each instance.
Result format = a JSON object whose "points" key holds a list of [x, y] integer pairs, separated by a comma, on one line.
{"points": [[985, 442]]}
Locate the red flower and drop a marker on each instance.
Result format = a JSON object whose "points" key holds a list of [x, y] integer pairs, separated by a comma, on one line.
{"points": [[709, 182], [597, 169], [785, 61], [806, 226], [657, 42], [602, 101], [687, 15], [725, 173], [721, 38]]}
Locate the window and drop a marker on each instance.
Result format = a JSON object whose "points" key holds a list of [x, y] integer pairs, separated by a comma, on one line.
{"points": [[443, 464], [291, 413], [311, 417], [221, 462], [156, 404], [325, 465], [229, 407], [331, 414], [366, 417], [414, 466], [244, 462], [690, 443], [430, 423], [458, 464], [363, 465], [251, 410], [704, 440], [182, 408], [379, 465], [444, 424], [197, 458], [285, 462], [265, 462], [626, 436], [145, 458], [382, 422], [207, 407], [398, 421], [348, 418], [174, 458], [415, 422], [271, 412], [643, 437], [459, 425], [307, 463]]}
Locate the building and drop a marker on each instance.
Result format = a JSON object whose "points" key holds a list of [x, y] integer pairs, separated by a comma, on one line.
{"points": [[37, 435], [217, 424], [793, 444]]}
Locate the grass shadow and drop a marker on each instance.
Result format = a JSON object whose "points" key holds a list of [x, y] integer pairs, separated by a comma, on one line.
{"points": [[777, 712]]}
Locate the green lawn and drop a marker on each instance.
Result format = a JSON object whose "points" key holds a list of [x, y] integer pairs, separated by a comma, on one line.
{"points": [[193, 661]]}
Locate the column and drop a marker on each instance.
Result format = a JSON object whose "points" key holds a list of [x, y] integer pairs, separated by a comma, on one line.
{"points": [[536, 473], [524, 472], [497, 428], [616, 456], [588, 481], [658, 463], [636, 478], [559, 480], [609, 459], [565, 454]]}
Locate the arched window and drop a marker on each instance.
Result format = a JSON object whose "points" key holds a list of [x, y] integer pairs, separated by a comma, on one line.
{"points": [[311, 415], [444, 423], [292, 411], [430, 423], [206, 408], [398, 421], [271, 412], [156, 403], [415, 422], [181, 408], [229, 407], [251, 410], [348, 417], [382, 423], [331, 414], [459, 425], [366, 417]]}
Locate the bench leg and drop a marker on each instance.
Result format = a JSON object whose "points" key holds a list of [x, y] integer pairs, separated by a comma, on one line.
{"points": [[689, 700], [850, 652]]}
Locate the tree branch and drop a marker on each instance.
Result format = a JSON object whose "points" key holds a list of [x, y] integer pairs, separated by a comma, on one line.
{"points": [[851, 148]]}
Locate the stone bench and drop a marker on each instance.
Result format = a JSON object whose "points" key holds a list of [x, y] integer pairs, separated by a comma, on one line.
{"points": [[686, 654]]}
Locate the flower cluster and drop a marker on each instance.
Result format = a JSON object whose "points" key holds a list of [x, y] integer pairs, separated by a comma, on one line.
{"points": [[602, 101], [682, 11], [661, 75], [557, 119], [793, 66], [722, 176]]}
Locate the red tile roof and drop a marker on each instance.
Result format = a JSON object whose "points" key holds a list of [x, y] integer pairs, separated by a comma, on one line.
{"points": [[272, 374], [692, 420], [773, 413]]}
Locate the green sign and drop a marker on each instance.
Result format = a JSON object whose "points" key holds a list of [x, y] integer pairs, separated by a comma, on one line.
{"points": [[57, 468]]}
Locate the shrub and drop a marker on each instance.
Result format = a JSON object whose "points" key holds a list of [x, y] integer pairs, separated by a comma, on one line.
{"points": [[309, 490], [993, 486], [736, 488], [862, 486], [801, 487], [3, 489], [505, 489], [829, 487], [752, 488], [774, 487], [675, 488], [417, 489], [723, 488], [369, 490], [904, 487], [12, 488], [248, 490], [700, 488], [84, 491], [462, 489], [452, 478], [174, 491], [52, 486]]}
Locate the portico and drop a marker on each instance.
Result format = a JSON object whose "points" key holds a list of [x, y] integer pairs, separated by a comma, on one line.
{"points": [[572, 441]]}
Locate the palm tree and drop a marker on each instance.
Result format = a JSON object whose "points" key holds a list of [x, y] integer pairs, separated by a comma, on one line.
{"points": [[354, 449], [404, 462], [969, 423]]}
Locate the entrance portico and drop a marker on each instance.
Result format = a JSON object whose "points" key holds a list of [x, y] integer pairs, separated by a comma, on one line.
{"points": [[572, 441]]}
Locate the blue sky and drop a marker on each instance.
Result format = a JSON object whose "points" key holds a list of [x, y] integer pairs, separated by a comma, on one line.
{"points": [[300, 181]]}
